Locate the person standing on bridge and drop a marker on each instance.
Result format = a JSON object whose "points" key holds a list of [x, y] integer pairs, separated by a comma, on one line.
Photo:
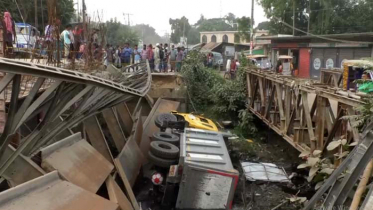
{"points": [[126, 54], [150, 57], [144, 53], [65, 35], [173, 55], [10, 33], [136, 54], [157, 59]]}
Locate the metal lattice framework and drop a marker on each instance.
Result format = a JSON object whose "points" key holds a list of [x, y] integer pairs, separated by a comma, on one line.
{"points": [[46, 101], [299, 111]]}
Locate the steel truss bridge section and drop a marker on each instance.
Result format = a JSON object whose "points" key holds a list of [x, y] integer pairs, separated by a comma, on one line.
{"points": [[308, 116], [57, 100]]}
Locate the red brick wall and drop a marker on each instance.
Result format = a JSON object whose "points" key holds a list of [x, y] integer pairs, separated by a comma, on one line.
{"points": [[304, 63]]}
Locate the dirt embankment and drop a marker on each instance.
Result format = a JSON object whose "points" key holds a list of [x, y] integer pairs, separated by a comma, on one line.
{"points": [[268, 147]]}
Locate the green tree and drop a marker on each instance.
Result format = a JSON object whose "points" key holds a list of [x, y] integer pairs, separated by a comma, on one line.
{"points": [[147, 34], [244, 25], [179, 27], [119, 34], [193, 36], [264, 25], [214, 24], [327, 16]]}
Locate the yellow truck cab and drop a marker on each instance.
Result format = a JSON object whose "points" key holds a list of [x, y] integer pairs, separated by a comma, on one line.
{"points": [[196, 121]]}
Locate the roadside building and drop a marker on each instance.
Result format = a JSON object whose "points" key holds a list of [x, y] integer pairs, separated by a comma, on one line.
{"points": [[311, 54]]}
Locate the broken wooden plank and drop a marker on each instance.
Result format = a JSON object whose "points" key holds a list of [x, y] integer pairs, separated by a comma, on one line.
{"points": [[50, 192], [114, 128], [125, 118], [127, 185], [137, 128], [116, 195], [130, 159], [79, 163], [97, 138], [320, 122]]}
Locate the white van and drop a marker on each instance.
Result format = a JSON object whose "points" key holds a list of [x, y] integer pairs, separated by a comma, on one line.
{"points": [[27, 35]]}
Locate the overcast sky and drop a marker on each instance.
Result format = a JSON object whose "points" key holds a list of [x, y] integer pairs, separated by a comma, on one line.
{"points": [[156, 13]]}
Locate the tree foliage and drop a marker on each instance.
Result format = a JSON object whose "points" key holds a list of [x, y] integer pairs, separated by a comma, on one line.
{"points": [[147, 34], [327, 16], [119, 34], [211, 93], [65, 11], [179, 28]]}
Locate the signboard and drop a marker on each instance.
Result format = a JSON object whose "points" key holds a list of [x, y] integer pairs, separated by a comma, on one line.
{"points": [[329, 63], [317, 64]]}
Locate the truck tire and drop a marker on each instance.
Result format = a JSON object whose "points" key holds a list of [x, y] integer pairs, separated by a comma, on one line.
{"points": [[164, 150], [166, 137], [164, 118], [164, 163]]}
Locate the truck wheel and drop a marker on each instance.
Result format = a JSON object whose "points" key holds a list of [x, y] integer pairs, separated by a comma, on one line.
{"points": [[164, 163], [164, 150], [166, 137], [164, 118]]}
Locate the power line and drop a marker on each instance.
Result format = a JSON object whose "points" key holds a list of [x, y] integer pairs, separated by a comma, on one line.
{"points": [[322, 37]]}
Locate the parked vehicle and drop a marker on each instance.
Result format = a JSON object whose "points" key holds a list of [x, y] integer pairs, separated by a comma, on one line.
{"points": [[218, 60], [261, 61], [27, 36]]}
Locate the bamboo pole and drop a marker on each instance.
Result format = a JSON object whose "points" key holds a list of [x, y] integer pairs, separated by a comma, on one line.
{"points": [[362, 186]]}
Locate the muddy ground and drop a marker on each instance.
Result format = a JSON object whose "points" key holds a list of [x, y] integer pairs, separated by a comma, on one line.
{"points": [[267, 147]]}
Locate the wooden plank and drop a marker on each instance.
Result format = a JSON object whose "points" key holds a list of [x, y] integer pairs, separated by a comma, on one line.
{"points": [[50, 192], [97, 138], [320, 122], [22, 170], [287, 107], [254, 95], [127, 185], [248, 83], [131, 160], [161, 106], [355, 132], [280, 106], [270, 102], [79, 163], [261, 92], [138, 127], [307, 115], [125, 118], [116, 195], [114, 128]]}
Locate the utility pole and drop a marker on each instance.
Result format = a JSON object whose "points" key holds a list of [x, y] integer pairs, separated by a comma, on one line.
{"points": [[309, 16], [252, 28], [128, 20], [36, 13], [293, 17], [184, 33]]}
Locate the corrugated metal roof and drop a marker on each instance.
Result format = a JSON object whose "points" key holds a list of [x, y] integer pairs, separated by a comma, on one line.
{"points": [[211, 46], [205, 148]]}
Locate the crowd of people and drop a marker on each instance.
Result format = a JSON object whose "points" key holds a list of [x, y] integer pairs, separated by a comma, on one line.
{"points": [[161, 58]]}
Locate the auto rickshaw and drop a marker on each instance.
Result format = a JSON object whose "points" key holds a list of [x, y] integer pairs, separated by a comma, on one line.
{"points": [[285, 65], [260, 61]]}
